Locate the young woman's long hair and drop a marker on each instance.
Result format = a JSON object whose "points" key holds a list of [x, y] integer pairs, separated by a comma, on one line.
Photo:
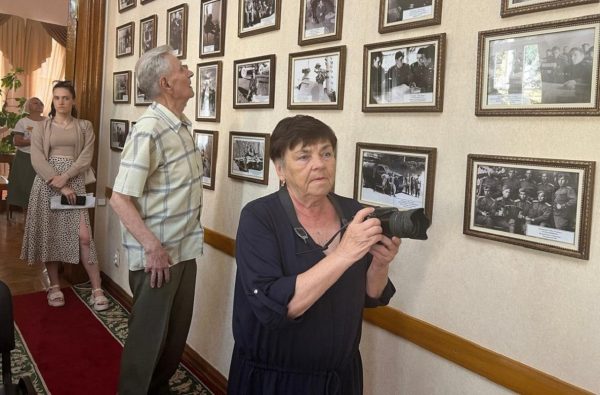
{"points": [[68, 85]]}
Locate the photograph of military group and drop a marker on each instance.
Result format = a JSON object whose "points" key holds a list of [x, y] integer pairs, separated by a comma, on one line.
{"points": [[206, 141], [316, 78], [404, 75], [258, 16], [119, 129], [208, 91], [212, 36], [177, 29], [395, 176], [548, 69], [320, 20], [124, 46], [407, 14], [254, 82], [516, 7], [537, 200], [247, 156]]}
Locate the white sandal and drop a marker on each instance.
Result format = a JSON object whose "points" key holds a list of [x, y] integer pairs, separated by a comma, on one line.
{"points": [[100, 302], [55, 298]]}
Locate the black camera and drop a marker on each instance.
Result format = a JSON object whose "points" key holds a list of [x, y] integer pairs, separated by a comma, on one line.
{"points": [[411, 224]]}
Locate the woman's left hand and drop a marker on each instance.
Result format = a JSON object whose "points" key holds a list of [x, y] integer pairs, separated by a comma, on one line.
{"points": [[58, 182], [385, 251], [69, 194]]}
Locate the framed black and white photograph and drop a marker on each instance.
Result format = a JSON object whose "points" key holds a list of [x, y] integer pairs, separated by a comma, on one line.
{"points": [[119, 129], [177, 26], [148, 29], [254, 82], [122, 87], [320, 21], [545, 204], [125, 40], [145, 1], [397, 15], [395, 176], [249, 157], [548, 68], [212, 28], [208, 91], [140, 98], [258, 16], [316, 79], [125, 5], [517, 7], [207, 141], [404, 75]]}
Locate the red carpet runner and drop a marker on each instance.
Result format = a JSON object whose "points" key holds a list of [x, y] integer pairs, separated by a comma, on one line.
{"points": [[74, 352]]}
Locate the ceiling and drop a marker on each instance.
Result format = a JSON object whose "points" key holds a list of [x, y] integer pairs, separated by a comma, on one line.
{"points": [[39, 10]]}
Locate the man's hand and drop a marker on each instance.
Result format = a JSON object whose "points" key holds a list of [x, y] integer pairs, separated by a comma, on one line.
{"points": [[158, 263]]}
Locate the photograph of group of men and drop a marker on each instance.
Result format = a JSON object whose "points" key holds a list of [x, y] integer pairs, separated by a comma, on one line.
{"points": [[402, 75], [258, 14], [550, 68], [515, 199], [253, 82], [248, 157], [390, 179]]}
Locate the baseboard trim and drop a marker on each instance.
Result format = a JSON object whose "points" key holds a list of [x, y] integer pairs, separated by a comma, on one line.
{"points": [[210, 376]]}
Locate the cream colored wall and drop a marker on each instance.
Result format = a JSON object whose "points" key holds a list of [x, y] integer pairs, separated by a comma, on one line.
{"points": [[535, 307]]}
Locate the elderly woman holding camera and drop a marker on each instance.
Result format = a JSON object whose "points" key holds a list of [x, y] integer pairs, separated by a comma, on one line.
{"points": [[308, 262]]}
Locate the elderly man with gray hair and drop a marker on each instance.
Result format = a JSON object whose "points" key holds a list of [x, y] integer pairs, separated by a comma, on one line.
{"points": [[158, 197]]}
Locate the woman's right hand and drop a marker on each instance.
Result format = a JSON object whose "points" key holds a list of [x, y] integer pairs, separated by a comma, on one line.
{"points": [[69, 194], [58, 182], [360, 235]]}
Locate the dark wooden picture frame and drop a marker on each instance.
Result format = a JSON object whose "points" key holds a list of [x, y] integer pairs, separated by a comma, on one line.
{"points": [[125, 40], [119, 129], [254, 82], [125, 5], [177, 27], [316, 79], [395, 176], [145, 1], [212, 28], [515, 78], [249, 157], [207, 142], [404, 75], [208, 91], [122, 87], [139, 98], [253, 21], [320, 21], [500, 205], [148, 33], [396, 15], [511, 8]]}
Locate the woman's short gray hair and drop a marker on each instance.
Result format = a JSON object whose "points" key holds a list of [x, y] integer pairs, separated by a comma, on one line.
{"points": [[150, 67]]}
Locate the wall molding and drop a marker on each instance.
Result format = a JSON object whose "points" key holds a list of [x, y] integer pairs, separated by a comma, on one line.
{"points": [[200, 367]]}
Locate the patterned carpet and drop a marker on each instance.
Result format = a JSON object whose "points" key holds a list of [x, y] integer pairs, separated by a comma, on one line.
{"points": [[115, 321]]}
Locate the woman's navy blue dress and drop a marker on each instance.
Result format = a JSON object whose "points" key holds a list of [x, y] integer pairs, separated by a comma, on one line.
{"points": [[316, 353]]}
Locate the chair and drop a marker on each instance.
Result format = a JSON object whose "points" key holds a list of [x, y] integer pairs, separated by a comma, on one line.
{"points": [[7, 344]]}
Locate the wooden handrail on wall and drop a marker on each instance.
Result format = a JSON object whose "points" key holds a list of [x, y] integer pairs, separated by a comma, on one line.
{"points": [[502, 370]]}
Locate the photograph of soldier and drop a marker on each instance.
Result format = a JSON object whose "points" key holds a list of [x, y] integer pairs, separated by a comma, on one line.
{"points": [[253, 82], [118, 134], [204, 142], [147, 34], [513, 199], [319, 18], [248, 157], [211, 27], [257, 14], [316, 79], [407, 10], [121, 87], [392, 179], [402, 75], [207, 92], [176, 31], [125, 40], [530, 70]]}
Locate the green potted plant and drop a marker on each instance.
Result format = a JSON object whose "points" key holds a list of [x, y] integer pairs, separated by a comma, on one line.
{"points": [[10, 82]]}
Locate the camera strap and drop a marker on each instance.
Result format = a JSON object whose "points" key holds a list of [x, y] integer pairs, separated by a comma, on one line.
{"points": [[288, 206]]}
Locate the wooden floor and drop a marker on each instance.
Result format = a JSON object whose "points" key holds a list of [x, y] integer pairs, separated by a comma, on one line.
{"points": [[20, 277]]}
